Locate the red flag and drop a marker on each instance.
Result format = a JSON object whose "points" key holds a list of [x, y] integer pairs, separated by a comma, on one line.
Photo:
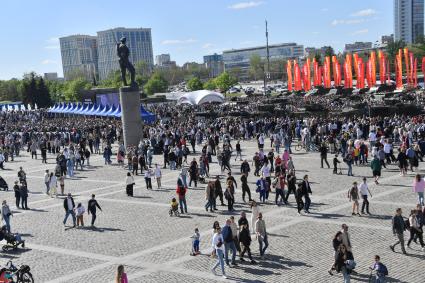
{"points": [[373, 68], [423, 66], [406, 62], [415, 73], [399, 70], [297, 76], [411, 71], [289, 71], [308, 73], [316, 73]]}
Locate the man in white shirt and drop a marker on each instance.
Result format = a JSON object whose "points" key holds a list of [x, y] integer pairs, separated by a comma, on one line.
{"points": [[364, 191]]}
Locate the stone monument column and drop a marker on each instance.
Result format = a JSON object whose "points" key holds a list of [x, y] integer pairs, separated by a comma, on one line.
{"points": [[130, 115]]}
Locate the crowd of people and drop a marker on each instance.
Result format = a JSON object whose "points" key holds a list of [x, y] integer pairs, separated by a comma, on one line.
{"points": [[192, 146]]}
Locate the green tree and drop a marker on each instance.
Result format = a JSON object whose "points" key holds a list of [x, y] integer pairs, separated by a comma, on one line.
{"points": [[73, 90], [28, 88], [210, 84], [113, 80], [9, 90], [318, 58], [142, 68], [194, 84], [56, 90], [392, 50], [329, 51], [156, 84], [42, 98], [256, 67], [225, 81]]}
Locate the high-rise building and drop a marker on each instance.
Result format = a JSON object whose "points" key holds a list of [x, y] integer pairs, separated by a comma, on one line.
{"points": [[239, 59], [214, 63], [408, 20], [162, 58], [387, 39], [358, 46], [139, 41], [79, 56]]}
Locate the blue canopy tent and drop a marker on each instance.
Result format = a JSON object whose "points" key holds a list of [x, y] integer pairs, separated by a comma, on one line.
{"points": [[71, 109], [53, 108], [112, 110], [147, 116], [117, 112], [104, 111], [89, 108], [82, 108], [94, 110], [62, 108], [77, 109], [66, 108]]}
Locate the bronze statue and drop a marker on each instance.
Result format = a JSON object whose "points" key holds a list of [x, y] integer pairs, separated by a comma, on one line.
{"points": [[123, 52]]}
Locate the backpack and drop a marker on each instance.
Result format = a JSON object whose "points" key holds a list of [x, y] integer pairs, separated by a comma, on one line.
{"points": [[382, 269]]}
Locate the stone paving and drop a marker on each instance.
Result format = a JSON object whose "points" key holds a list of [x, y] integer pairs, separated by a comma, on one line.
{"points": [[154, 247]]}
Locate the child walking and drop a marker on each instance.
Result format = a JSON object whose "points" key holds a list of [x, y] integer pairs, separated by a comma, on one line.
{"points": [[195, 242]]}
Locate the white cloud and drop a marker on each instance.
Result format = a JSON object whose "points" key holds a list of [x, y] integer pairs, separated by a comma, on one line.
{"points": [[315, 32], [49, 62], [245, 5], [364, 13], [347, 22], [324, 9], [362, 31], [178, 41], [207, 45]]}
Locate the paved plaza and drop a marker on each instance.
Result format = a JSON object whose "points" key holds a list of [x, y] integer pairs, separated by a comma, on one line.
{"points": [[154, 247]]}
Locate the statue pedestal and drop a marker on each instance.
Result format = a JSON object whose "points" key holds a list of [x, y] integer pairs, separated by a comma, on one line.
{"points": [[130, 118]]}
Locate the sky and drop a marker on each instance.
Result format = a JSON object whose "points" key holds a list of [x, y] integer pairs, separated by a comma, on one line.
{"points": [[186, 29]]}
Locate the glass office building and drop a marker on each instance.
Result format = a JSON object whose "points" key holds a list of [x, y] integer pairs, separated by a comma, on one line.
{"points": [[79, 56], [408, 20]]}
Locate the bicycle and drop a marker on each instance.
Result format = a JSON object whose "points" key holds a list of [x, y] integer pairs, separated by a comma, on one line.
{"points": [[12, 274]]}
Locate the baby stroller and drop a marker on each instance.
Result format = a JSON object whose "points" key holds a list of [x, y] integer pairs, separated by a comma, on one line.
{"points": [[13, 240], [174, 210], [3, 184]]}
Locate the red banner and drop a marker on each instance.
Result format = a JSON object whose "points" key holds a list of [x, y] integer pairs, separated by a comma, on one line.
{"points": [[415, 73], [373, 68], [315, 73], [399, 70], [297, 76], [308, 73], [406, 62], [423, 66], [412, 67], [289, 72], [348, 68], [327, 72], [382, 68]]}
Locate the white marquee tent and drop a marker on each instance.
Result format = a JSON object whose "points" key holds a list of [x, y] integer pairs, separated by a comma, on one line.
{"points": [[200, 97]]}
